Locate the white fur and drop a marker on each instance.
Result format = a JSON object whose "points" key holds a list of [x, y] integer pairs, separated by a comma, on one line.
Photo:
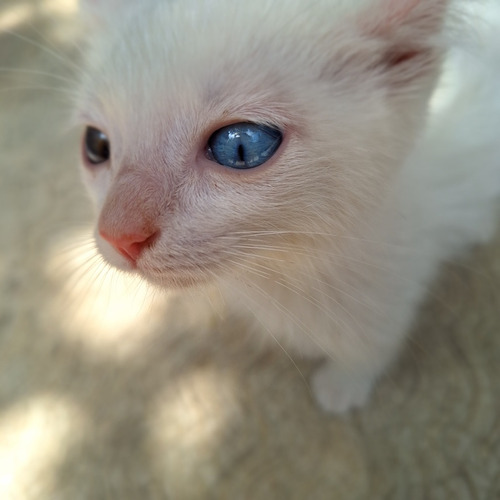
{"points": [[332, 245]]}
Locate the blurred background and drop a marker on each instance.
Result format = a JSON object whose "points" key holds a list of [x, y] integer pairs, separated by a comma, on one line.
{"points": [[111, 391]]}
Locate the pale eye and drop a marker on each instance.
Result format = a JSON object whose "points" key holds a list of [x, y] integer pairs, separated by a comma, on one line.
{"points": [[96, 146], [243, 145]]}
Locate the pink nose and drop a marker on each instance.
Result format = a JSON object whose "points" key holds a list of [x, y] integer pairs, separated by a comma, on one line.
{"points": [[129, 245]]}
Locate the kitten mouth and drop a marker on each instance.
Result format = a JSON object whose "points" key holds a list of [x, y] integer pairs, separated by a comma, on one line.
{"points": [[178, 278], [175, 277]]}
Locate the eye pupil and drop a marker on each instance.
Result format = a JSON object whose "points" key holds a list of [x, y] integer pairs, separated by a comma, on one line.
{"points": [[243, 145], [97, 148]]}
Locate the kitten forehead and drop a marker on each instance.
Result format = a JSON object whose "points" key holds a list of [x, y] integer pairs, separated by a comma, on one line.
{"points": [[178, 70], [177, 73], [190, 35], [107, 10]]}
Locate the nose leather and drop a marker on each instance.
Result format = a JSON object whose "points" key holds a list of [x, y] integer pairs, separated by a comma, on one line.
{"points": [[129, 245]]}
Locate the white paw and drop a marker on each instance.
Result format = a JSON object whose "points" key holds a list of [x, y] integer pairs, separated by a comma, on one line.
{"points": [[337, 391]]}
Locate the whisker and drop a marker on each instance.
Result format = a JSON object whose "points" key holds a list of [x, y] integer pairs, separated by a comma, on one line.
{"points": [[292, 284], [287, 313], [319, 255], [390, 246], [430, 291], [26, 71], [246, 267], [278, 343], [51, 45], [56, 55], [69, 93]]}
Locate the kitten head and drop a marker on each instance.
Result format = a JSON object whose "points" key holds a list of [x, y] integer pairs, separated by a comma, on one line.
{"points": [[222, 134]]}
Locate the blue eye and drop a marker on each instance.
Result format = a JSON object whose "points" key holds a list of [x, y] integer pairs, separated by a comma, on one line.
{"points": [[243, 145]]}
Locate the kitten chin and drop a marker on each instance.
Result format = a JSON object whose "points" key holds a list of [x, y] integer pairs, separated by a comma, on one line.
{"points": [[290, 157]]}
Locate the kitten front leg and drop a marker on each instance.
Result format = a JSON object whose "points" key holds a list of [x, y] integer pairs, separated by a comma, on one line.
{"points": [[366, 340], [346, 383], [338, 390]]}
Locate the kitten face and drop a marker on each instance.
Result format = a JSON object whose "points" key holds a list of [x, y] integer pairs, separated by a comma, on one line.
{"points": [[347, 96]]}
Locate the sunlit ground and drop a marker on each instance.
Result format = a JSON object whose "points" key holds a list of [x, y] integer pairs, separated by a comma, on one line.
{"points": [[108, 310], [22, 12], [197, 413], [36, 433], [109, 315], [101, 307], [113, 316], [34, 438]]}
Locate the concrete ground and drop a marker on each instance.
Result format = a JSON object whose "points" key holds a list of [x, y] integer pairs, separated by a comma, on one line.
{"points": [[107, 392]]}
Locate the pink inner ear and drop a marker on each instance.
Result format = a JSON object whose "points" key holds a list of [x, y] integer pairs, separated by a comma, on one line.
{"points": [[402, 56]]}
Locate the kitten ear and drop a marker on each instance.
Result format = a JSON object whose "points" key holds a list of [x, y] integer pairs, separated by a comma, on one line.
{"points": [[386, 17], [408, 35]]}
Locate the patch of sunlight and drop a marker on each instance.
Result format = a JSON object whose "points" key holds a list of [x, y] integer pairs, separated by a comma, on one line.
{"points": [[188, 421], [35, 437], [101, 307], [111, 311], [16, 15], [64, 11], [63, 7]]}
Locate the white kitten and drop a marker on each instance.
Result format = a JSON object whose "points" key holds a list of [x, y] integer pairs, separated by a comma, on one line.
{"points": [[283, 150]]}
